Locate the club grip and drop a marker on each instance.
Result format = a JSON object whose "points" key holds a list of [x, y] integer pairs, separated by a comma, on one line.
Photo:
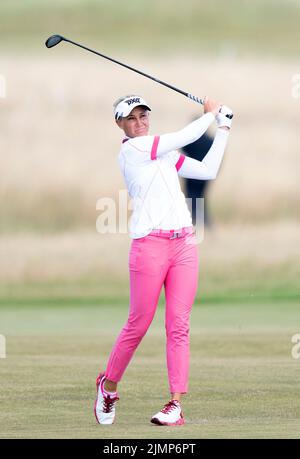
{"points": [[195, 99]]}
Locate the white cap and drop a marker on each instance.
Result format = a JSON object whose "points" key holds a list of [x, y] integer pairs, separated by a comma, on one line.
{"points": [[127, 105]]}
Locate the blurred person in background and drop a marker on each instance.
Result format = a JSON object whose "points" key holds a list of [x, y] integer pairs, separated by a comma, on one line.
{"points": [[163, 250], [198, 188]]}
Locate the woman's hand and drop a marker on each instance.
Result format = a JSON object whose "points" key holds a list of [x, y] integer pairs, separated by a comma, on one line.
{"points": [[224, 118], [211, 105]]}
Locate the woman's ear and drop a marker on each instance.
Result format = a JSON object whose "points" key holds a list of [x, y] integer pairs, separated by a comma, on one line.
{"points": [[119, 123]]}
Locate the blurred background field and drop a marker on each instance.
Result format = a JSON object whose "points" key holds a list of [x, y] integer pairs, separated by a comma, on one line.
{"points": [[246, 26], [58, 156]]}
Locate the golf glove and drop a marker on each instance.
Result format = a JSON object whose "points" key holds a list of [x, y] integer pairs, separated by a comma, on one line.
{"points": [[222, 118]]}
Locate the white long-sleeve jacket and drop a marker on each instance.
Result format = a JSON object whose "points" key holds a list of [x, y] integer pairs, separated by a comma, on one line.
{"points": [[151, 165]]}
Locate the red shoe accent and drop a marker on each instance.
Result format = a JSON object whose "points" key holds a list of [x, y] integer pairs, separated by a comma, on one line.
{"points": [[108, 401], [98, 380], [166, 409], [169, 407], [156, 421]]}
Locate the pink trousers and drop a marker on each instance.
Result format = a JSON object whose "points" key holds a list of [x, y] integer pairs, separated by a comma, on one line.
{"points": [[155, 261]]}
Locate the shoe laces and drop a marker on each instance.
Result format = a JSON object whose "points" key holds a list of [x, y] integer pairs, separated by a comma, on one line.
{"points": [[108, 403], [171, 405]]}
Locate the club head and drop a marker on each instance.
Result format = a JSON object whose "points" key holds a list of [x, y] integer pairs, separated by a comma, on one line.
{"points": [[53, 40]]}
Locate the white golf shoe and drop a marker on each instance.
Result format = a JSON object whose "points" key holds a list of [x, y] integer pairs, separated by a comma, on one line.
{"points": [[170, 415], [104, 407]]}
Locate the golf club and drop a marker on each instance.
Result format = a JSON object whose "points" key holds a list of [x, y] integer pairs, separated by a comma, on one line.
{"points": [[55, 39]]}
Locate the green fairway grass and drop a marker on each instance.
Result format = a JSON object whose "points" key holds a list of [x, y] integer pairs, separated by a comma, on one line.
{"points": [[244, 382]]}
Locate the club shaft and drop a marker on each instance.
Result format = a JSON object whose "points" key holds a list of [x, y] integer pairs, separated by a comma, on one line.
{"points": [[186, 94]]}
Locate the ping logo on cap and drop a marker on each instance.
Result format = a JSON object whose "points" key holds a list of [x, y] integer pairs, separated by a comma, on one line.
{"points": [[135, 100]]}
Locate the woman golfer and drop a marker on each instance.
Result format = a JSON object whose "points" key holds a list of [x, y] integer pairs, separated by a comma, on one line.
{"points": [[163, 249]]}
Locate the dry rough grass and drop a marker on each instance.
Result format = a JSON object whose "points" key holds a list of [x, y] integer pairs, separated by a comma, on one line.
{"points": [[84, 255], [59, 143]]}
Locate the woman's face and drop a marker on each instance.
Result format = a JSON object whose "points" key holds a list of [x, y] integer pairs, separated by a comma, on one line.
{"points": [[136, 123]]}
